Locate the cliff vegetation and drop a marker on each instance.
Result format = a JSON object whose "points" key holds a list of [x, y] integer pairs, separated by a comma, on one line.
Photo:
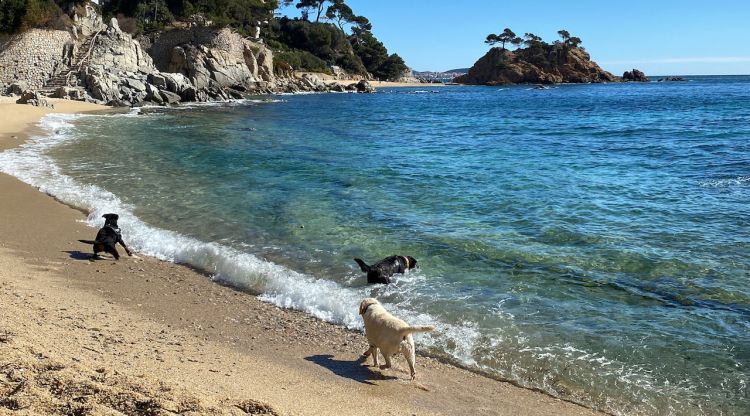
{"points": [[329, 37]]}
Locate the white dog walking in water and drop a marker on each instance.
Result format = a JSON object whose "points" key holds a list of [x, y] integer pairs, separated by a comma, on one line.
{"points": [[388, 334]]}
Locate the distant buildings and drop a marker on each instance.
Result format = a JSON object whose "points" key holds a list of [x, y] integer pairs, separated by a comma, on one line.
{"points": [[447, 76]]}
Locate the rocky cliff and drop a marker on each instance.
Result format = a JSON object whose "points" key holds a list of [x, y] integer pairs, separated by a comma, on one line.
{"points": [[103, 64], [552, 65], [214, 57], [120, 71]]}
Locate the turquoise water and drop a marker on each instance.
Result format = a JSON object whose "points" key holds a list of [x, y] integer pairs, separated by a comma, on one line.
{"points": [[588, 240]]}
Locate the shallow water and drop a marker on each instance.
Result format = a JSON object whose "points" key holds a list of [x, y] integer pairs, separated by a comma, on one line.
{"points": [[588, 240]]}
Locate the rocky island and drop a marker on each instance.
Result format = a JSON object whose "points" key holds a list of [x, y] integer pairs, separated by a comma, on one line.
{"points": [[539, 62]]}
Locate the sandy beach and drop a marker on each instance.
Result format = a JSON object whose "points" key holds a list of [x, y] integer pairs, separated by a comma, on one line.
{"points": [[143, 336]]}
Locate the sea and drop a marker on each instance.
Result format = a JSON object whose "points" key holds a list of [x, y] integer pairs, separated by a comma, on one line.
{"points": [[590, 241]]}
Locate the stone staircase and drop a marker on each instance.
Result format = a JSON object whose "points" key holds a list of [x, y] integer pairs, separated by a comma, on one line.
{"points": [[68, 77]]}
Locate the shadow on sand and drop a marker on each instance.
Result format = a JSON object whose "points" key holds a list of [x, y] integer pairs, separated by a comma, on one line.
{"points": [[354, 370], [79, 255]]}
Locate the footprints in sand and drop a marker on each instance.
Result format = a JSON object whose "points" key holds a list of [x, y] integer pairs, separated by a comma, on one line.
{"points": [[33, 382]]}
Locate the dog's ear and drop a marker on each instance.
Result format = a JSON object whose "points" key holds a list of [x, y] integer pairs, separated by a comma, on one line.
{"points": [[412, 262], [366, 303]]}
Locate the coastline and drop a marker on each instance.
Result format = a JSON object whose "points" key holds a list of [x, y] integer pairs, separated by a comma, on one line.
{"points": [[391, 84], [377, 84], [146, 331]]}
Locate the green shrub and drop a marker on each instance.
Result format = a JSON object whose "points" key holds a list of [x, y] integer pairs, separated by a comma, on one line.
{"points": [[300, 61], [325, 41], [351, 64], [391, 69], [18, 15]]}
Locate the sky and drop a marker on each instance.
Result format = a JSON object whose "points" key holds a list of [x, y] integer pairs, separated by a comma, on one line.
{"points": [[686, 37]]}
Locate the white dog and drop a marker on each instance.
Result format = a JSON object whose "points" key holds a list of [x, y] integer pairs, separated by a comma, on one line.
{"points": [[388, 334]]}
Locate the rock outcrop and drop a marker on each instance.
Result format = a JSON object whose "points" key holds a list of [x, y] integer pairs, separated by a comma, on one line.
{"points": [[120, 72], [635, 76], [35, 99], [408, 76], [103, 64], [671, 79], [211, 57], [196, 64], [552, 66], [114, 48]]}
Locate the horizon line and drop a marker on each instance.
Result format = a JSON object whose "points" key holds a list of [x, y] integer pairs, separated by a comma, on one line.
{"points": [[684, 60]]}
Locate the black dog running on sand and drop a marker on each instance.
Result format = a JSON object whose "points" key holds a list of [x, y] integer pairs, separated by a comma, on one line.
{"points": [[382, 271], [108, 237]]}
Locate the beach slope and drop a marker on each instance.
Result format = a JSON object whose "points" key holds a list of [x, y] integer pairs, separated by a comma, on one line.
{"points": [[143, 336]]}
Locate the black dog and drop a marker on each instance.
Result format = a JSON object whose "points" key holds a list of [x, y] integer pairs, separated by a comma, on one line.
{"points": [[382, 271], [108, 237]]}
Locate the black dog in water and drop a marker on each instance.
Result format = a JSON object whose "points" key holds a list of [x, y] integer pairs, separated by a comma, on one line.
{"points": [[382, 271], [108, 237]]}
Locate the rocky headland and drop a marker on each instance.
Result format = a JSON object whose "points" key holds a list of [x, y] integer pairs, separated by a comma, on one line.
{"points": [[553, 65], [101, 63]]}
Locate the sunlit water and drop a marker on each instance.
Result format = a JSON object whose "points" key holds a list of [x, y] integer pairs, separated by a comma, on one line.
{"points": [[590, 240]]}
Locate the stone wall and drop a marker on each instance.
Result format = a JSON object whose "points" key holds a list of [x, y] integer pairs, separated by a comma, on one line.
{"points": [[33, 56]]}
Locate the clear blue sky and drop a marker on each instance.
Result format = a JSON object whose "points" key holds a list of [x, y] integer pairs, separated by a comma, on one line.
{"points": [[687, 37]]}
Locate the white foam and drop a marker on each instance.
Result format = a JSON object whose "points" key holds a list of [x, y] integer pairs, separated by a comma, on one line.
{"points": [[224, 103], [276, 284], [726, 183]]}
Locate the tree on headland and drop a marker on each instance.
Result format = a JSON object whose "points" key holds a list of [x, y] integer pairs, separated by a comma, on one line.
{"points": [[153, 14], [574, 41], [391, 69], [340, 12], [532, 40], [317, 5], [374, 55], [362, 23], [569, 41], [506, 37], [343, 14]]}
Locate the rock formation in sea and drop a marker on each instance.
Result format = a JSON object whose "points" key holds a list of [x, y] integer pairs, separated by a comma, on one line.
{"points": [[548, 64], [101, 63], [634, 76], [671, 79]]}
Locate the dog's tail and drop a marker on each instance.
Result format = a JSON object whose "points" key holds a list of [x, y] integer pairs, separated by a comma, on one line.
{"points": [[365, 268], [88, 241], [416, 328]]}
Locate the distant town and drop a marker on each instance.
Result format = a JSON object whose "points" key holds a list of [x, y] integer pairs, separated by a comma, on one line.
{"points": [[436, 77]]}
